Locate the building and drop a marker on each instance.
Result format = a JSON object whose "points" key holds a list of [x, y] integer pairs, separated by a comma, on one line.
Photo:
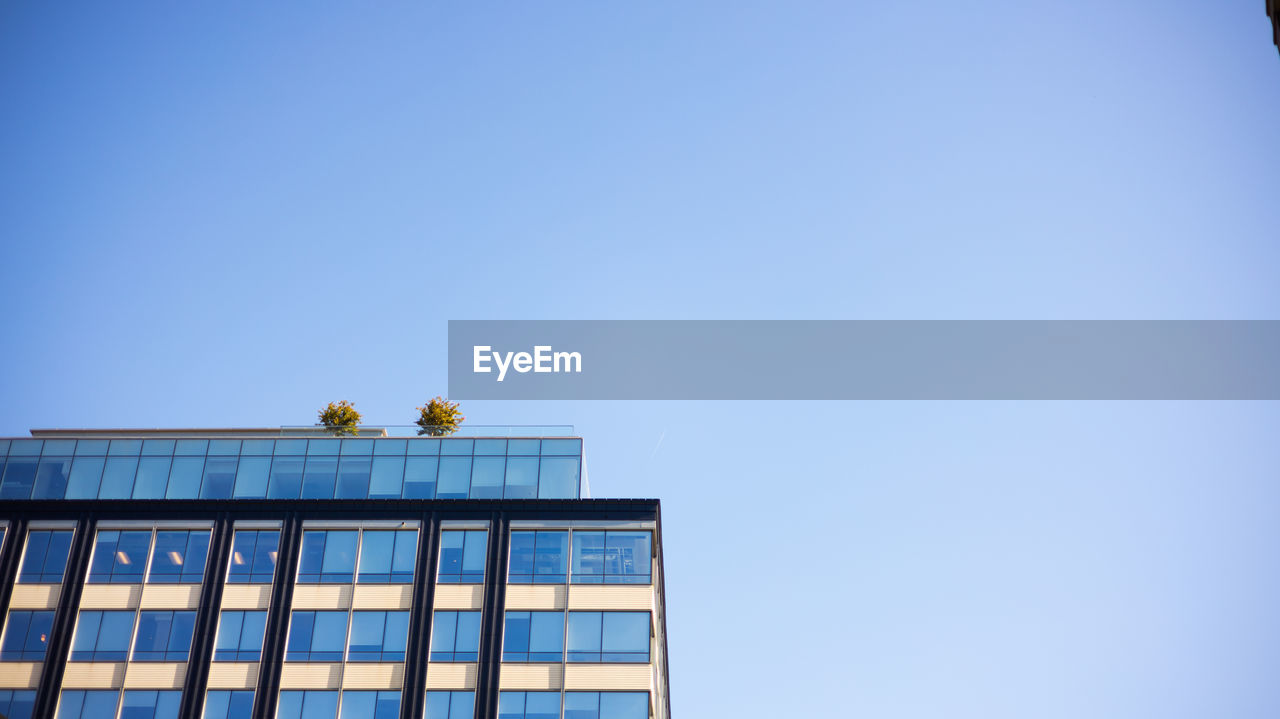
{"points": [[1273, 12], [288, 573]]}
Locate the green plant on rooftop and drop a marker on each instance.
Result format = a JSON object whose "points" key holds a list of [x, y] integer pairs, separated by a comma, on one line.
{"points": [[439, 417], [341, 418]]}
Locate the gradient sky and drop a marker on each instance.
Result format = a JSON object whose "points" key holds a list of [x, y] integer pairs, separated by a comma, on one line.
{"points": [[229, 214]]}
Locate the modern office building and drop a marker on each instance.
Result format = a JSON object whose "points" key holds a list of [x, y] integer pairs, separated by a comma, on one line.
{"points": [[288, 573]]}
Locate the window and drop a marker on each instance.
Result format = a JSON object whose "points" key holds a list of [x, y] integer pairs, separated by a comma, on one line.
{"points": [[533, 637], [529, 705], [163, 636], [17, 704], [91, 704], [370, 705], [102, 636], [141, 704], [223, 704], [119, 556], [219, 478], [253, 556], [328, 556], [611, 557], [388, 557], [606, 705], [522, 478], [353, 478], [378, 636], [455, 637], [450, 705], [240, 636], [539, 557], [558, 477], [19, 477], [454, 481], [26, 636], [462, 556], [307, 705], [316, 637], [286, 477], [608, 636], [45, 557], [179, 556]]}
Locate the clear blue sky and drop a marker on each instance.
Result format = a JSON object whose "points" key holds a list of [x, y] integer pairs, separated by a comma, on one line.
{"points": [[231, 213]]}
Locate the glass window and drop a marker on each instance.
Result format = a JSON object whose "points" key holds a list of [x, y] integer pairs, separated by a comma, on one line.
{"points": [[608, 636], [86, 475], [26, 636], [450, 705], [521, 478], [388, 556], [328, 556], [539, 557], [145, 704], [562, 446], [51, 478], [455, 637], [163, 636], [253, 556], [19, 477], [117, 477], [240, 636], [389, 446], [455, 478], [17, 704], [316, 637], [529, 705], [558, 478], [606, 705], [184, 478], [612, 557], [378, 636], [462, 556], [119, 556], [251, 477], [420, 477], [223, 704], [310, 704], [45, 557], [219, 478], [286, 476], [353, 477], [179, 556], [387, 477], [421, 445], [318, 477], [88, 704], [533, 637], [456, 446], [370, 705], [102, 636], [153, 477], [486, 477]]}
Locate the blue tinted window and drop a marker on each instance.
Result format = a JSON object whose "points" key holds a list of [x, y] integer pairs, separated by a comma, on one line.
{"points": [[456, 446], [86, 476], [102, 636], [163, 636], [25, 448], [378, 636], [291, 447], [455, 636], [17, 704], [152, 478], [224, 447], [219, 478], [539, 557], [19, 477], [370, 705], [357, 447], [286, 476], [420, 477], [94, 447], [521, 480], [387, 477], [388, 556], [252, 477], [353, 478], [529, 705], [118, 476], [26, 636], [612, 557], [223, 704], [45, 557], [455, 478], [606, 705], [533, 637], [558, 478], [490, 446], [389, 446], [240, 636], [315, 704], [328, 556], [119, 556], [179, 556], [318, 477], [608, 636], [423, 446], [51, 478], [253, 556], [157, 447], [486, 477], [462, 556], [316, 637], [184, 478], [88, 704], [562, 446], [450, 705], [191, 447]]}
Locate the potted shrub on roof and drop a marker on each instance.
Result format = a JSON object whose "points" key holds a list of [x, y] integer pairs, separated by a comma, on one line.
{"points": [[439, 417], [341, 418]]}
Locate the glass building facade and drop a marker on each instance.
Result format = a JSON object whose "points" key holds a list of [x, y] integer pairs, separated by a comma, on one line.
{"points": [[252, 574]]}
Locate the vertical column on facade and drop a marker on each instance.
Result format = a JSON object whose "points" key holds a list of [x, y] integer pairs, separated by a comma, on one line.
{"points": [[495, 594], [64, 618], [269, 669], [10, 558], [206, 626], [424, 590]]}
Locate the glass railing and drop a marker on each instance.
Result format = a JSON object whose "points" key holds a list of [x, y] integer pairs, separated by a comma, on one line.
{"points": [[310, 467], [413, 430]]}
